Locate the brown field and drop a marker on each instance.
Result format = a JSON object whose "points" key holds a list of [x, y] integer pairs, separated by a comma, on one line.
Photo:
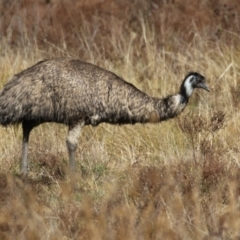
{"points": [[174, 180]]}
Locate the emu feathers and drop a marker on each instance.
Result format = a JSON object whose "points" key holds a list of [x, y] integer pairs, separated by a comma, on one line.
{"points": [[77, 93]]}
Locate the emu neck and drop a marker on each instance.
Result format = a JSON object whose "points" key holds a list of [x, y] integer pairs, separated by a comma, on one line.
{"points": [[184, 98], [171, 106], [185, 94]]}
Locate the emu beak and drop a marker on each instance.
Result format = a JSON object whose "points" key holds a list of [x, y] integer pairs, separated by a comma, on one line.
{"points": [[204, 86]]}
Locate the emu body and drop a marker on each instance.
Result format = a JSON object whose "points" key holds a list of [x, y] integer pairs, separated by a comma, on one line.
{"points": [[77, 93]]}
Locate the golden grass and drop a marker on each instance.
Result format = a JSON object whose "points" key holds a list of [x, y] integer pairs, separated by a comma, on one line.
{"points": [[174, 180]]}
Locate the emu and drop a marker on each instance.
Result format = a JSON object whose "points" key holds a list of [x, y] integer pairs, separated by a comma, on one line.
{"points": [[76, 93]]}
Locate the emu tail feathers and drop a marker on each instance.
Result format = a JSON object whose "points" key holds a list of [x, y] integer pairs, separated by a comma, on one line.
{"points": [[8, 113]]}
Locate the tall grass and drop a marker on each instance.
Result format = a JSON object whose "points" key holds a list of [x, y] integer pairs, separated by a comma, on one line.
{"points": [[174, 180]]}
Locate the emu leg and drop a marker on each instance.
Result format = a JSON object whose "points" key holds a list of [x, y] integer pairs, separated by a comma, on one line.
{"points": [[72, 143], [27, 128]]}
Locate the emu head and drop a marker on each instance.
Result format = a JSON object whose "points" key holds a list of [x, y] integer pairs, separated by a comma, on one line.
{"points": [[191, 81]]}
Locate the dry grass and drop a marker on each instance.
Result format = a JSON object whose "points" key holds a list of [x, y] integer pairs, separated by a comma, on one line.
{"points": [[174, 180]]}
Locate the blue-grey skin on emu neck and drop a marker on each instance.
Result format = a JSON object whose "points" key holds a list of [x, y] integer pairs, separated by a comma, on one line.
{"points": [[76, 93]]}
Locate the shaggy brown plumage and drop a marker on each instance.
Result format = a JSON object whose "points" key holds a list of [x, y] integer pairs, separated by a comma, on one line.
{"points": [[77, 93]]}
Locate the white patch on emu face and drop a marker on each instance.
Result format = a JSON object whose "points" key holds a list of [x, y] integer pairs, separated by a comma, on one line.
{"points": [[188, 85]]}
